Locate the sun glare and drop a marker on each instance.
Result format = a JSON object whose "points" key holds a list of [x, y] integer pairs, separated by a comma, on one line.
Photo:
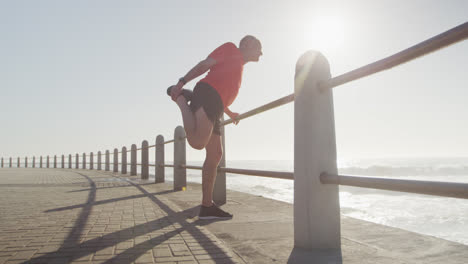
{"points": [[326, 32]]}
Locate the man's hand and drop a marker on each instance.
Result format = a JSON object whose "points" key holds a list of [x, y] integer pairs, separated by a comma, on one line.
{"points": [[233, 116], [176, 90]]}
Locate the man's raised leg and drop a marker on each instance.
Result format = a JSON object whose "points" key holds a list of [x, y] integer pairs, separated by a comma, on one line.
{"points": [[197, 125]]}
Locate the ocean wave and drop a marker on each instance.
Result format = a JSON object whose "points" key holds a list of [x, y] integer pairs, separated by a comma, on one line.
{"points": [[378, 170]]}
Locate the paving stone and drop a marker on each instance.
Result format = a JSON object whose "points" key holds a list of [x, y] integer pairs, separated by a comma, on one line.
{"points": [[63, 223]]}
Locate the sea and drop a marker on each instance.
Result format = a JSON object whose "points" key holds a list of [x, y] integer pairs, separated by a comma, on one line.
{"points": [[442, 217]]}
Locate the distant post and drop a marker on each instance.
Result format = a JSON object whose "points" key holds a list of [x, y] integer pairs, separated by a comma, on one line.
{"points": [[40, 162], [133, 160], [84, 161], [55, 161], [48, 161], [2, 162], [34, 162], [91, 160], [26, 162], [107, 167], [144, 160], [77, 161], [124, 161], [69, 161], [160, 170], [11, 162], [219, 191], [63, 161], [99, 160], [180, 174], [316, 205], [19, 162], [116, 160]]}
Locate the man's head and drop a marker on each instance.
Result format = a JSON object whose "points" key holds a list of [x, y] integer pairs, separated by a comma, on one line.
{"points": [[251, 48]]}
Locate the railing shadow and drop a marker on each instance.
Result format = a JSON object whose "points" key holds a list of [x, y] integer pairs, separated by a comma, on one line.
{"points": [[68, 248], [303, 256]]}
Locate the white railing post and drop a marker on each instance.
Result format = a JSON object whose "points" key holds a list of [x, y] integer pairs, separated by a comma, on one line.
{"points": [[144, 160], [124, 160], [133, 160], [219, 191], [107, 160], [116, 160], [316, 205], [91, 161], [99, 160], [180, 174], [160, 170]]}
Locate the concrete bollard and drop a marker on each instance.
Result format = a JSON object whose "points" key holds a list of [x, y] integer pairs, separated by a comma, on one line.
{"points": [[91, 161], [26, 162], [180, 174], [77, 161], [2, 162], [84, 161], [99, 160], [116, 160], [19, 162], [40, 162], [34, 162], [107, 167], [124, 161], [160, 171], [69, 161], [55, 161], [144, 160], [11, 163], [63, 161], [316, 205], [48, 161], [133, 160], [219, 191]]}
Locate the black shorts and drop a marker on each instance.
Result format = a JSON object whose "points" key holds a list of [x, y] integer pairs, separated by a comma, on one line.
{"points": [[206, 96]]}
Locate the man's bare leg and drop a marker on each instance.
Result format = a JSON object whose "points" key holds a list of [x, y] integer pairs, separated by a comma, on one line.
{"points": [[214, 152], [197, 125]]}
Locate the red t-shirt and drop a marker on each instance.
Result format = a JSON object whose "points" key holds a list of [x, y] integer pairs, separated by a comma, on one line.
{"points": [[226, 75]]}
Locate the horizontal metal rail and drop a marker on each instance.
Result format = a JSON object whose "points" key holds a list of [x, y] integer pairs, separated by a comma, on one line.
{"points": [[447, 189], [447, 38], [269, 174], [261, 109], [169, 141]]}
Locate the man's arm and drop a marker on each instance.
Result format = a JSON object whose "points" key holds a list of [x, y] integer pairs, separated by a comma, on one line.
{"points": [[232, 115], [199, 69]]}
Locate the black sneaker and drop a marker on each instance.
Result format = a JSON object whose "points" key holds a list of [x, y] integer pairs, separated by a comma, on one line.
{"points": [[185, 93], [213, 212]]}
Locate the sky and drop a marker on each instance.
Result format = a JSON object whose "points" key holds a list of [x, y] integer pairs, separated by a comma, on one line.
{"points": [[88, 76]]}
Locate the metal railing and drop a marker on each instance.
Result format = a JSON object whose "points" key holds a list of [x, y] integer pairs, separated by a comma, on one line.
{"points": [[316, 206]]}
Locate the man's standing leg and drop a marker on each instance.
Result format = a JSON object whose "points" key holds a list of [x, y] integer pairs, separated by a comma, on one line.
{"points": [[214, 152]]}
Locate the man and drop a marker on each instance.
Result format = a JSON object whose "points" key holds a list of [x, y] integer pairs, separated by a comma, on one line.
{"points": [[210, 98]]}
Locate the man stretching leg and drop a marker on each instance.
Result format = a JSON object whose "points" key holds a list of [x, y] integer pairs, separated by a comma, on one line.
{"points": [[210, 98]]}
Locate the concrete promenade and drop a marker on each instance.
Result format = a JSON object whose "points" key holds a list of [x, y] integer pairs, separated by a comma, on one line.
{"points": [[83, 216]]}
